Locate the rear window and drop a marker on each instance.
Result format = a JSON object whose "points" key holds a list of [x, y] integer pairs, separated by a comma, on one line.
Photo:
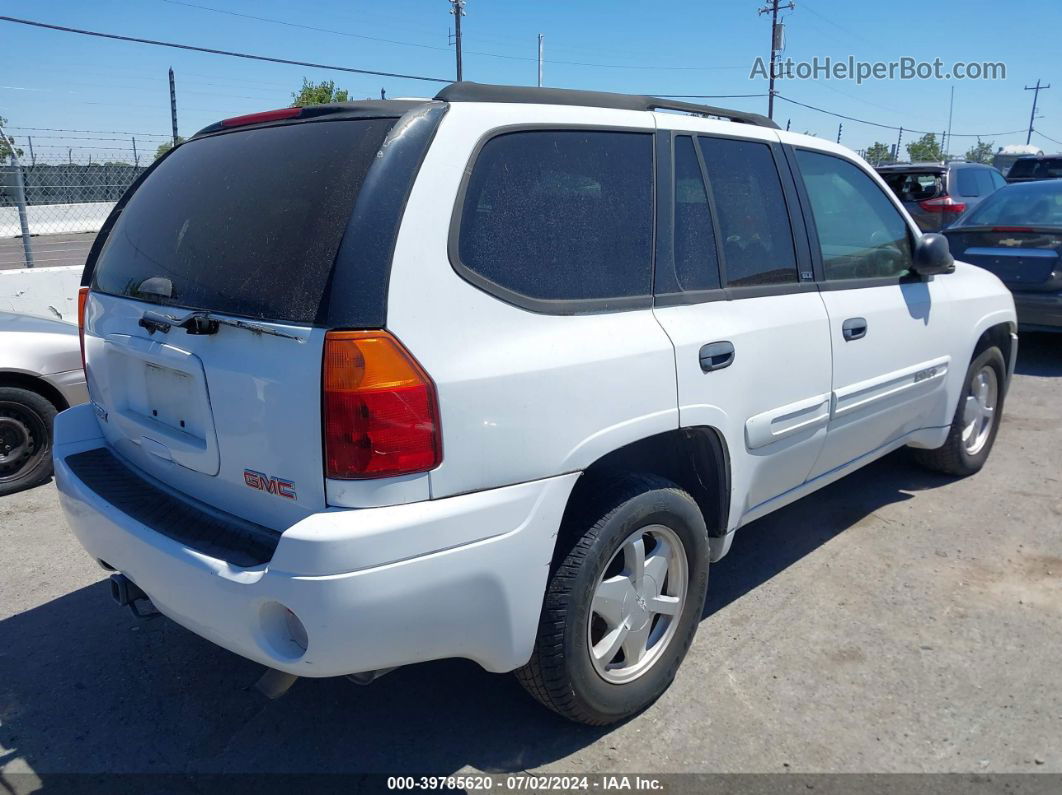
{"points": [[560, 215], [1036, 168], [915, 186], [245, 223], [1031, 204]]}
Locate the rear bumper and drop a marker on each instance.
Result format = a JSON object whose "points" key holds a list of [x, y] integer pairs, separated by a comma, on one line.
{"points": [[471, 585], [1039, 310]]}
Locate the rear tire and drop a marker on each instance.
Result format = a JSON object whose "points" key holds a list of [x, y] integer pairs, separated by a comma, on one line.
{"points": [[25, 439], [609, 643], [976, 422]]}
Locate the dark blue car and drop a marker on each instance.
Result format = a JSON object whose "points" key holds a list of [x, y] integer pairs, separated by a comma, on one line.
{"points": [[1017, 234]]}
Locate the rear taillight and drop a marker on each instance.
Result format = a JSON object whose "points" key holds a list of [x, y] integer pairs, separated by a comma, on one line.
{"points": [[943, 204], [82, 299], [381, 415]]}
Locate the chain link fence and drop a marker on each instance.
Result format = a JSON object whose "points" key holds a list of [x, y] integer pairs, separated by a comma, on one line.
{"points": [[51, 207]]}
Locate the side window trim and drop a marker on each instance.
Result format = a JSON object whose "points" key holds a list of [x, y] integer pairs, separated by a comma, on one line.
{"points": [[813, 236], [811, 232]]}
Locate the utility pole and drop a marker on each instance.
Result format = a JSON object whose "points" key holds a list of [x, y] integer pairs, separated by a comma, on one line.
{"points": [[33, 157], [136, 157], [173, 106], [383, 93], [896, 152], [839, 128], [951, 110], [457, 8], [777, 43], [540, 37], [1036, 96]]}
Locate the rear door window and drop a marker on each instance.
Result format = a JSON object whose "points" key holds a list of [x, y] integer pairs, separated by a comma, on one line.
{"points": [[560, 216], [244, 223], [967, 183], [753, 218]]}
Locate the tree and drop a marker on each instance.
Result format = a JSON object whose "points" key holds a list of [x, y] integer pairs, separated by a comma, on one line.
{"points": [[981, 152], [164, 148], [925, 149], [7, 144], [318, 94], [878, 152]]}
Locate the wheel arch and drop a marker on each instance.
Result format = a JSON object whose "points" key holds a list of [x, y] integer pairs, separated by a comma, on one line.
{"points": [[34, 383], [697, 459]]}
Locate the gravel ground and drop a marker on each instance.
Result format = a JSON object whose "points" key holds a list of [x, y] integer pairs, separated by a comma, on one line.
{"points": [[895, 621]]}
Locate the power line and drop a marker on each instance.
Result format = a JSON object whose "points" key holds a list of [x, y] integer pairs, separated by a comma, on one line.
{"points": [[893, 127], [1048, 137], [707, 96], [211, 51], [109, 132], [274, 21]]}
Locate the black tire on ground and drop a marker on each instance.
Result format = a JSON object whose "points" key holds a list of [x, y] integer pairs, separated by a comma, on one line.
{"points": [[25, 439], [560, 673], [953, 457]]}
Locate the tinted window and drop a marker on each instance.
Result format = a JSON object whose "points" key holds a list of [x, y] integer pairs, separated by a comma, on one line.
{"points": [[1036, 168], [754, 223], [246, 223], [966, 180], [696, 262], [861, 233], [561, 215], [997, 180], [1031, 204]]}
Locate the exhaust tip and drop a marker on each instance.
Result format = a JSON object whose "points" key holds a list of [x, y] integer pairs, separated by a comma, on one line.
{"points": [[124, 591]]}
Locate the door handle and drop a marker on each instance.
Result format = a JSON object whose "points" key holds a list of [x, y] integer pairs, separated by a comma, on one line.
{"points": [[855, 328], [716, 355]]}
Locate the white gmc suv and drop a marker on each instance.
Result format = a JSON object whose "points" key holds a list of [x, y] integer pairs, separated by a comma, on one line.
{"points": [[496, 375]]}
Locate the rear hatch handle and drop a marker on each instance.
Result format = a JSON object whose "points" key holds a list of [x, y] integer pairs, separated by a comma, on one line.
{"points": [[203, 323]]}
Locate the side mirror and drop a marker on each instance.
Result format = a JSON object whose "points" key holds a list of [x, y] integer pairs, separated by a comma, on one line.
{"points": [[932, 255]]}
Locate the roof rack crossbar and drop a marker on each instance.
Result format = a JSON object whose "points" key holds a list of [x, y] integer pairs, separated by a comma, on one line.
{"points": [[467, 91]]}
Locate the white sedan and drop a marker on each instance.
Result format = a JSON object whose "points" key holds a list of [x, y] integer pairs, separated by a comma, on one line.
{"points": [[40, 375]]}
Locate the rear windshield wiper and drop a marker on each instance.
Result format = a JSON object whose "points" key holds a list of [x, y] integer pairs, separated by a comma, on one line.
{"points": [[204, 323]]}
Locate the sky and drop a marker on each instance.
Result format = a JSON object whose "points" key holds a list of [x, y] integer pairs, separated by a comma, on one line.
{"points": [[113, 89]]}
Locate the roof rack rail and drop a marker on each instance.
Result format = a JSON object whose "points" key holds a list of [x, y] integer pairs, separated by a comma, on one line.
{"points": [[467, 91]]}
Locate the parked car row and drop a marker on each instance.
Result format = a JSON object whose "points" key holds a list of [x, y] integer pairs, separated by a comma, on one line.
{"points": [[1011, 226]]}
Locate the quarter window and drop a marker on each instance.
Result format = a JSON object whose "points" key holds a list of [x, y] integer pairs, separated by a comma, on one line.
{"points": [[861, 233], [753, 219], [560, 215]]}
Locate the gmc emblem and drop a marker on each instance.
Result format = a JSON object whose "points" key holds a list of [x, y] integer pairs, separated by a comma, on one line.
{"points": [[263, 482]]}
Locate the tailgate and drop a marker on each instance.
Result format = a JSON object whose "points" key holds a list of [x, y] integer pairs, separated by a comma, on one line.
{"points": [[202, 336]]}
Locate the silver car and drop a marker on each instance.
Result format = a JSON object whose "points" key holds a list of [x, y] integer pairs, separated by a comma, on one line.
{"points": [[40, 375]]}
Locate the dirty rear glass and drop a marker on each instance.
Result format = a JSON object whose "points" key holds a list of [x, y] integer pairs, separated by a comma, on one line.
{"points": [[244, 223]]}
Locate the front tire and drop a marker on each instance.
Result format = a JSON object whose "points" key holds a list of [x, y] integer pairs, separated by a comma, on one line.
{"points": [[623, 603], [25, 439], [976, 422]]}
